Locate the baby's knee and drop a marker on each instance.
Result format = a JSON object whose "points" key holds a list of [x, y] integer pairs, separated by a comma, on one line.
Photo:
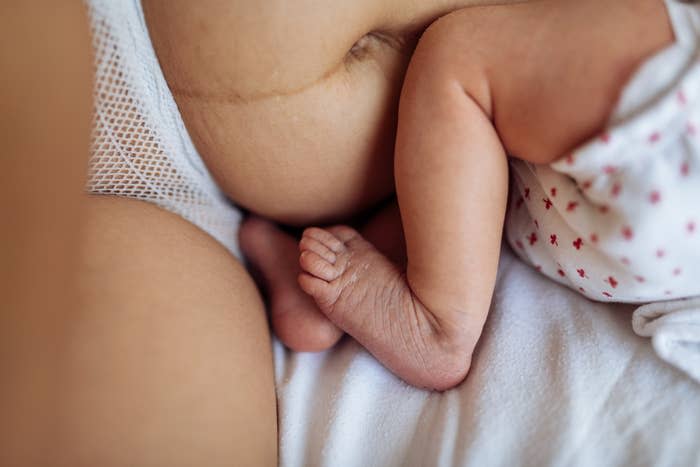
{"points": [[447, 43], [459, 47]]}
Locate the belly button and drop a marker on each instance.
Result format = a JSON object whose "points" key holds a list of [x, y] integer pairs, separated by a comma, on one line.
{"points": [[375, 40]]}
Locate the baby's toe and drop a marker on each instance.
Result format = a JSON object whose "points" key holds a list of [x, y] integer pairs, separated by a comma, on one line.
{"points": [[324, 237], [311, 244], [317, 266]]}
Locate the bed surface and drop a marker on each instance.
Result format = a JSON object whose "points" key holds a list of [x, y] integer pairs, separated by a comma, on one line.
{"points": [[557, 380]]}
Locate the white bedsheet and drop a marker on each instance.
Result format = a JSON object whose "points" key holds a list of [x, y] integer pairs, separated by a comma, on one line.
{"points": [[557, 380]]}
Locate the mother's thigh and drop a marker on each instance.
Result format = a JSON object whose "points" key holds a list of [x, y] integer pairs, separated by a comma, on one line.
{"points": [[168, 358]]}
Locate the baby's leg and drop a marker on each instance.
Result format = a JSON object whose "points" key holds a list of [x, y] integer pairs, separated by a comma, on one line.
{"points": [[451, 174], [295, 317]]}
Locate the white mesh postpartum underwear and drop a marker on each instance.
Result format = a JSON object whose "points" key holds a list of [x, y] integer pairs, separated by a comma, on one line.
{"points": [[141, 148]]}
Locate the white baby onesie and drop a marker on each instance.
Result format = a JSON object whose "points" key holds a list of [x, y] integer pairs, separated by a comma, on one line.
{"points": [[619, 218]]}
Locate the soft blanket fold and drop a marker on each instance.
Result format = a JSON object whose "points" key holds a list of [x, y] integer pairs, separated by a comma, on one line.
{"points": [[556, 380], [674, 328]]}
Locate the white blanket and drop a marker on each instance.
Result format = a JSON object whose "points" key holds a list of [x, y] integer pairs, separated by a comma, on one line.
{"points": [[557, 380]]}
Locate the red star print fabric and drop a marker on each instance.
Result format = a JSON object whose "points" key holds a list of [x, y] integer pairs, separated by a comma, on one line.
{"points": [[618, 219]]}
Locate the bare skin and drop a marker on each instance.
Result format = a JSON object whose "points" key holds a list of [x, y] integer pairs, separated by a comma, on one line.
{"points": [[294, 315], [270, 104], [295, 129], [127, 335], [468, 100], [98, 359], [168, 360]]}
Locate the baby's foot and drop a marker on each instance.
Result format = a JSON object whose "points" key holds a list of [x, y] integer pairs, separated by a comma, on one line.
{"points": [[295, 317], [366, 295]]}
